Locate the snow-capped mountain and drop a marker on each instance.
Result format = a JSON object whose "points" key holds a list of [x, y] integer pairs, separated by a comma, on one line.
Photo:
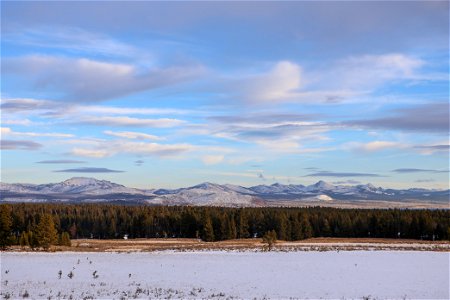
{"points": [[210, 194], [80, 189], [75, 185], [278, 188]]}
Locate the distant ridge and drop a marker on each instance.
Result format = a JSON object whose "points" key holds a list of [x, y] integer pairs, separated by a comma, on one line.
{"points": [[82, 190]]}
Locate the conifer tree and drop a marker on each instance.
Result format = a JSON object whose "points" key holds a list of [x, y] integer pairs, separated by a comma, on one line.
{"points": [[5, 226], [270, 238], [32, 239], [23, 240], [307, 230], [208, 230], [46, 232], [243, 225], [64, 239], [232, 228]]}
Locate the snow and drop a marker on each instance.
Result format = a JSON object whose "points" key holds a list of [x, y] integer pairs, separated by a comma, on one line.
{"points": [[215, 194], [324, 198], [276, 275], [206, 194]]}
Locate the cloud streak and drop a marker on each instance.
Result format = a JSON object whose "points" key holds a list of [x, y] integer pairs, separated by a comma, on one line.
{"points": [[414, 170], [427, 118], [342, 174], [61, 161], [132, 135], [8, 131], [88, 170], [103, 149], [130, 122], [87, 80], [19, 145]]}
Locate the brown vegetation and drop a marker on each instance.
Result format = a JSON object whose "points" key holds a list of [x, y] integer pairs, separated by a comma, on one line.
{"points": [[313, 244]]}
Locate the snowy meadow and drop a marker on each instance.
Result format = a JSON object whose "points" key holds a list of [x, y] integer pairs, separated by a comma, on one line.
{"points": [[222, 275]]}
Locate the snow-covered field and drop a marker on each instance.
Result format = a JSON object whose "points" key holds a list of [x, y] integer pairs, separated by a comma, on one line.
{"points": [[220, 274]]}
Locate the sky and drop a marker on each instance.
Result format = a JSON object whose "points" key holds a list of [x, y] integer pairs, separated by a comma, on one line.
{"points": [[171, 94]]}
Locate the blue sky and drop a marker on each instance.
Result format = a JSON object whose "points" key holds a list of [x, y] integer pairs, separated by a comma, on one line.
{"points": [[170, 94]]}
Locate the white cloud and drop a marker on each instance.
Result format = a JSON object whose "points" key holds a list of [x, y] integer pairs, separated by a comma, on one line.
{"points": [[277, 85], [131, 122], [110, 148], [367, 72], [8, 131], [346, 80], [23, 122], [71, 38], [111, 110], [212, 159], [91, 153], [374, 146], [86, 80], [132, 135]]}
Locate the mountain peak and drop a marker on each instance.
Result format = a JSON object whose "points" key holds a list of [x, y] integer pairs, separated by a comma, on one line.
{"points": [[323, 185], [80, 181], [205, 185]]}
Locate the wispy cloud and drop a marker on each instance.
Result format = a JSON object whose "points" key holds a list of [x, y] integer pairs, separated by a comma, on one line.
{"points": [[288, 130], [110, 148], [414, 170], [132, 135], [374, 146], [342, 174], [344, 80], [139, 162], [72, 39], [430, 149], [8, 131], [86, 80], [311, 168], [425, 180], [47, 108], [61, 161], [94, 153], [279, 84], [19, 145], [212, 159], [432, 117], [130, 122], [89, 170], [350, 181], [25, 104]]}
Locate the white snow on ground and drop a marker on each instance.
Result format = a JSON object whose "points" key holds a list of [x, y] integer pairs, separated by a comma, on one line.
{"points": [[219, 274]]}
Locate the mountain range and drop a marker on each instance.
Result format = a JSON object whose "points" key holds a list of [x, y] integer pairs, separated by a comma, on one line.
{"points": [[88, 190]]}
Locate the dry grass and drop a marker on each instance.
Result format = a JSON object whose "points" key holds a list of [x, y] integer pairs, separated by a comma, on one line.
{"points": [[313, 244]]}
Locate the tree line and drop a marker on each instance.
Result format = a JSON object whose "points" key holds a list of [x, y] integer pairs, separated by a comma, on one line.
{"points": [[107, 221]]}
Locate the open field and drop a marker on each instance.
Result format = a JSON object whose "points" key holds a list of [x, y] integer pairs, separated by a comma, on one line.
{"points": [[226, 275], [313, 244]]}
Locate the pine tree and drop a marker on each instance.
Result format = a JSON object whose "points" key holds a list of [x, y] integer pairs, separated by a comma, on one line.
{"points": [[326, 229], [32, 239], [232, 228], [46, 232], [296, 230], [64, 239], [208, 230], [270, 238], [23, 240], [307, 230], [73, 231], [5, 226], [243, 225]]}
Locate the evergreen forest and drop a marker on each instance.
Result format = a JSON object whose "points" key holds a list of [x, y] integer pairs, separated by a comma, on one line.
{"points": [[107, 221]]}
